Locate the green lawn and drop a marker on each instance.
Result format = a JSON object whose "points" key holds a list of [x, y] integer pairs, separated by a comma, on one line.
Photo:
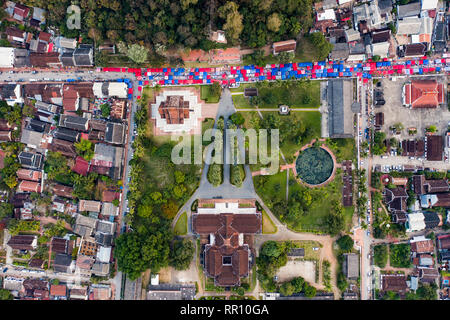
{"points": [[305, 52], [181, 225], [205, 94], [314, 219], [343, 149], [241, 102], [380, 255], [289, 146], [268, 227], [208, 123], [308, 245], [296, 94], [271, 189], [310, 120]]}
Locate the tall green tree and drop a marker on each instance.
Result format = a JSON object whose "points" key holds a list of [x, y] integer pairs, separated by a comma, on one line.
{"points": [[85, 149], [181, 254]]}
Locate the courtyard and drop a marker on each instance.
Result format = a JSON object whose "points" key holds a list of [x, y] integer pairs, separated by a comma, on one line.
{"points": [[298, 268], [395, 112]]}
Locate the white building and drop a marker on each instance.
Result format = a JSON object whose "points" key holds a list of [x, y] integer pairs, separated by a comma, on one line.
{"points": [[429, 4], [110, 89], [415, 222], [6, 57], [328, 14], [104, 254]]}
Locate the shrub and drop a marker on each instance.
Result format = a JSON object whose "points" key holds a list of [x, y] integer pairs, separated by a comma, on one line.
{"points": [[345, 243], [215, 174]]}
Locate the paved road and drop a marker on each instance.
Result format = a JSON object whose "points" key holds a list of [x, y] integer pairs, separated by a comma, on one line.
{"points": [[276, 109], [399, 160], [366, 239]]}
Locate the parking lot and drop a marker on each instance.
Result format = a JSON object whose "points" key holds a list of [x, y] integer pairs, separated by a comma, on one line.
{"points": [[420, 119]]}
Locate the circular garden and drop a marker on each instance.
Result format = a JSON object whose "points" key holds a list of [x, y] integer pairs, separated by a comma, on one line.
{"points": [[314, 165]]}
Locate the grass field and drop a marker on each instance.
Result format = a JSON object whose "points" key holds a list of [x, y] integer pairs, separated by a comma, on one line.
{"points": [[310, 120], [343, 149], [241, 102], [305, 52], [205, 94], [181, 225], [295, 94], [314, 219], [308, 245], [208, 123], [274, 188], [268, 227]]}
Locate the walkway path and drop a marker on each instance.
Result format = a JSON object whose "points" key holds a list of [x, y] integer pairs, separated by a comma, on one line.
{"points": [[227, 190]]}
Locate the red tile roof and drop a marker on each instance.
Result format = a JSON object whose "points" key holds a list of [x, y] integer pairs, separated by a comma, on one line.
{"points": [[70, 97], [59, 290], [81, 166], [44, 59], [63, 191], [21, 10], [29, 186], [227, 260], [424, 93], [32, 175], [44, 36], [109, 196], [422, 246], [281, 46]]}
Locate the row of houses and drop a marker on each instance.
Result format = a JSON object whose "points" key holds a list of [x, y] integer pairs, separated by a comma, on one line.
{"points": [[41, 289], [366, 29], [426, 266], [428, 194], [46, 50], [64, 114]]}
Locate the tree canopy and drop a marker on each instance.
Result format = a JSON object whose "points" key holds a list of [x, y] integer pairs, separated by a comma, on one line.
{"points": [[181, 254], [345, 243], [147, 248], [173, 24]]}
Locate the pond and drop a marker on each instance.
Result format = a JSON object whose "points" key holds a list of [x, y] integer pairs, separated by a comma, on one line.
{"points": [[314, 165]]}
